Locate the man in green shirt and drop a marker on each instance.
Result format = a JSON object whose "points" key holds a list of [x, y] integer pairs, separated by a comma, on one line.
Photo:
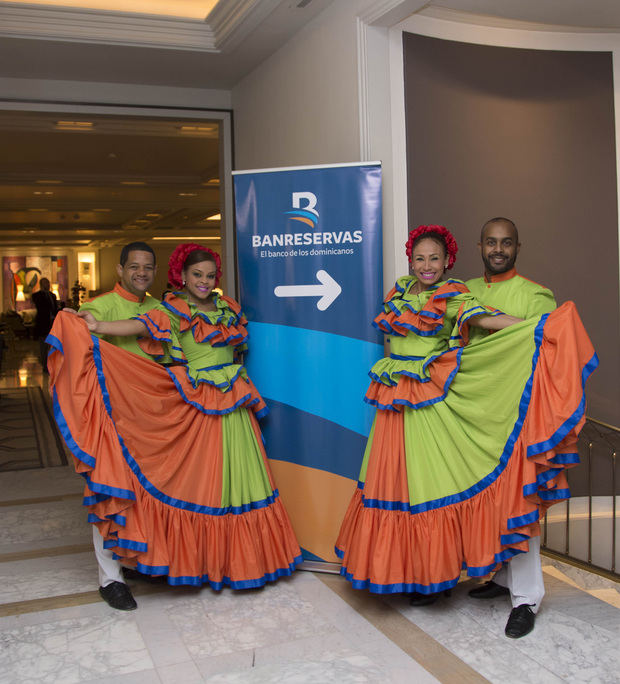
{"points": [[504, 289], [129, 297]]}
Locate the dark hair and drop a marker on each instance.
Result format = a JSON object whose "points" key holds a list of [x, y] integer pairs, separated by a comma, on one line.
{"points": [[500, 219], [196, 257], [135, 247], [433, 236]]}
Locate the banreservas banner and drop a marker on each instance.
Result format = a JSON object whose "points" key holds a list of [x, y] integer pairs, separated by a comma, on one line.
{"points": [[309, 243]]}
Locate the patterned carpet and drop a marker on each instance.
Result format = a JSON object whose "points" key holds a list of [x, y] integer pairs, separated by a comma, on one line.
{"points": [[28, 435]]}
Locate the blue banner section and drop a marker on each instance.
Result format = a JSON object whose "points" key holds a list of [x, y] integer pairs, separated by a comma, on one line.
{"points": [[286, 428], [308, 361], [310, 274]]}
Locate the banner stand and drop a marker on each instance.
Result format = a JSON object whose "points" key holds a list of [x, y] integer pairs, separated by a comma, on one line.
{"points": [[309, 242]]}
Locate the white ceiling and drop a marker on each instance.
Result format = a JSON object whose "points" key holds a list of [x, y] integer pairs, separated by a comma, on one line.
{"points": [[188, 9], [68, 43]]}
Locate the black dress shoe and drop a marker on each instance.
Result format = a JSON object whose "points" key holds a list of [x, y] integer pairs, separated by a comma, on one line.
{"points": [[133, 574], [118, 595], [417, 599], [489, 590], [520, 622]]}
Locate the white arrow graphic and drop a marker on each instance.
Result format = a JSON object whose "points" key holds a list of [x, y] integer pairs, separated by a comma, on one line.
{"points": [[328, 290]]}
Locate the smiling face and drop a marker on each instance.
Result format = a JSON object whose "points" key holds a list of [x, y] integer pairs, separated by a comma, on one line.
{"points": [[137, 274], [428, 262], [200, 280], [499, 246]]}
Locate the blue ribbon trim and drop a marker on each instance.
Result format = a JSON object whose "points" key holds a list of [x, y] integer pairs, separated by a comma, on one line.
{"points": [[55, 343], [196, 581], [565, 459], [218, 367], [79, 453], [141, 547], [523, 520], [212, 412], [399, 587], [166, 334], [570, 423]]}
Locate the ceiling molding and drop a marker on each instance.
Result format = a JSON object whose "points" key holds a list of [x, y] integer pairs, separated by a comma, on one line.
{"points": [[233, 20], [229, 23]]}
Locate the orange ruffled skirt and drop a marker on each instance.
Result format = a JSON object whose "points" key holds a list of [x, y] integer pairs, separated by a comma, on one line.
{"points": [[458, 471], [177, 479]]}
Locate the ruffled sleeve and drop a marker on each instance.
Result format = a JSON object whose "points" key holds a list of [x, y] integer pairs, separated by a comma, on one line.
{"points": [[461, 308], [220, 328], [163, 343], [401, 317]]}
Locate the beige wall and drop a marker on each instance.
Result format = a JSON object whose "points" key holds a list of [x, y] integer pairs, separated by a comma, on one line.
{"points": [[527, 134], [28, 89], [300, 106]]}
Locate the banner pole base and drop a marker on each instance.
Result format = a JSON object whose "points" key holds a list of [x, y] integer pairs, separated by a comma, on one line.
{"points": [[319, 566]]}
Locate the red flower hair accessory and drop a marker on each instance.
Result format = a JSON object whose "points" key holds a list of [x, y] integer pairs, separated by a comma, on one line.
{"points": [[451, 246], [180, 254]]}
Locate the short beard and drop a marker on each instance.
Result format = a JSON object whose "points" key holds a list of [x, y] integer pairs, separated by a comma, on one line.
{"points": [[489, 268]]}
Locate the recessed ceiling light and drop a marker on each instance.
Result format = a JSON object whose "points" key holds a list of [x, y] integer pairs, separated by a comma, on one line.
{"points": [[188, 194], [153, 215], [198, 129], [212, 181], [133, 182], [213, 217], [75, 125]]}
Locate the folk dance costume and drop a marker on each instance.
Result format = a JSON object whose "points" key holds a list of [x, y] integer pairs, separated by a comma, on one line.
{"points": [[177, 479], [111, 306], [518, 296], [469, 443]]}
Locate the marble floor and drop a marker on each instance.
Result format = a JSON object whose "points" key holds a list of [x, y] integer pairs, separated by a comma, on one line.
{"points": [[311, 627]]}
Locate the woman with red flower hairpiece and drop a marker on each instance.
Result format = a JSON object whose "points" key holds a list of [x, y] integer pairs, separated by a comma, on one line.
{"points": [[469, 442], [171, 451]]}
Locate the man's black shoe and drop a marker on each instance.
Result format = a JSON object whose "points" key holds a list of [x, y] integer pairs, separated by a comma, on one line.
{"points": [[488, 590], [118, 595], [520, 622], [133, 574], [417, 599]]}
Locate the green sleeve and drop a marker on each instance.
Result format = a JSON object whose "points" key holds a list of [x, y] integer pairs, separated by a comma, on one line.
{"points": [[541, 302]]}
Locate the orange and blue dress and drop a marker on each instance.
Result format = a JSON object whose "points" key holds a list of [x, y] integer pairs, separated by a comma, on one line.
{"points": [[177, 479], [469, 444]]}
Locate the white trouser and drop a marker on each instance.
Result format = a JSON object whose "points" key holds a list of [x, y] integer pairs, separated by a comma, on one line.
{"points": [[524, 578], [109, 568]]}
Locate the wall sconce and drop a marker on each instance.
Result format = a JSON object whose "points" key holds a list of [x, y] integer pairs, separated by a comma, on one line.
{"points": [[19, 297], [55, 290], [23, 377]]}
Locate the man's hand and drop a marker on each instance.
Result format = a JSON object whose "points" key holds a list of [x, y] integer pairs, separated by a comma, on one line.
{"points": [[91, 322]]}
